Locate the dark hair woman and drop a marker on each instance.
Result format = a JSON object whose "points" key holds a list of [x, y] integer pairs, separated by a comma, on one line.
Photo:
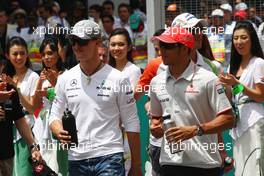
{"points": [[24, 80], [44, 96], [245, 77]]}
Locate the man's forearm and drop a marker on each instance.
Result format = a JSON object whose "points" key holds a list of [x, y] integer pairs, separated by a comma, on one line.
{"points": [[134, 144], [220, 123], [24, 130]]}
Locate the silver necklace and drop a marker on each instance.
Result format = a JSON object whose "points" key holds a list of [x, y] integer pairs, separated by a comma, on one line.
{"points": [[95, 70]]}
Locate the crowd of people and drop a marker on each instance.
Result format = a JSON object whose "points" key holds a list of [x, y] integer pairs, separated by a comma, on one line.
{"points": [[207, 77]]}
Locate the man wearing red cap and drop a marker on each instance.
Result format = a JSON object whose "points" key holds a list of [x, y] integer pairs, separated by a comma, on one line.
{"points": [[240, 15], [196, 103]]}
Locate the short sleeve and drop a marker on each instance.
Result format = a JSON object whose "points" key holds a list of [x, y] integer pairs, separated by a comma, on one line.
{"points": [[127, 106], [137, 77], [134, 77], [34, 82], [259, 71], [217, 97], [155, 106]]}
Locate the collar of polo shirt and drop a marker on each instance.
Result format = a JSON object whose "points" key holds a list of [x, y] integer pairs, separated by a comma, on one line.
{"points": [[188, 73]]}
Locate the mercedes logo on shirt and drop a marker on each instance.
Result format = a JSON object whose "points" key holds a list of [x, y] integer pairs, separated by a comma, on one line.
{"points": [[73, 82]]}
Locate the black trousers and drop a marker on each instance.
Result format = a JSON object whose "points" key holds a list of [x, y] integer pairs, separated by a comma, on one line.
{"points": [[170, 170]]}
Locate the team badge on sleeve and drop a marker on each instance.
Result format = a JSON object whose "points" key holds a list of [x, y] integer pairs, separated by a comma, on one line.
{"points": [[220, 88]]}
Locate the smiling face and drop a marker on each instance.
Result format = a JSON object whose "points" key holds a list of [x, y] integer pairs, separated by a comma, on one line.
{"points": [[18, 56], [118, 47], [242, 42], [50, 57]]}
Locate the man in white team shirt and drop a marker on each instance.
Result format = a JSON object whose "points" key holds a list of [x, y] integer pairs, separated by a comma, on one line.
{"points": [[196, 102], [98, 97]]}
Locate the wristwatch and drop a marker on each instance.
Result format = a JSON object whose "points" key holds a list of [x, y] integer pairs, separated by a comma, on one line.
{"points": [[200, 130], [34, 146]]}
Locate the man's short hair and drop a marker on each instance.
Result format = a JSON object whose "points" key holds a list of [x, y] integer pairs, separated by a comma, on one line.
{"points": [[124, 5], [108, 2], [96, 7], [108, 16]]}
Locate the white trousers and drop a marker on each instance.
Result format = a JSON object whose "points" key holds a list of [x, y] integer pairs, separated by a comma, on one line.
{"points": [[249, 151]]}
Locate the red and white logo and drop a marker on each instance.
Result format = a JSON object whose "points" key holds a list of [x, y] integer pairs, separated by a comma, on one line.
{"points": [[191, 89]]}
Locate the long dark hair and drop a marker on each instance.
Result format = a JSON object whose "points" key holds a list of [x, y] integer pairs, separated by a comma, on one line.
{"points": [[52, 41], [255, 49], [121, 31], [9, 68]]}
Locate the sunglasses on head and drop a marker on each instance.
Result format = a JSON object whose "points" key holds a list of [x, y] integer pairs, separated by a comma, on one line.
{"points": [[168, 45], [79, 41]]}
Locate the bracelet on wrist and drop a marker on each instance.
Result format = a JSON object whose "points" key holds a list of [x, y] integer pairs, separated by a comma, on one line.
{"points": [[238, 89]]}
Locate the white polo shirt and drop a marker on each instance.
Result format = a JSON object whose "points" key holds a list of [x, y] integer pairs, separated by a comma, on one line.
{"points": [[97, 105], [201, 63], [194, 98]]}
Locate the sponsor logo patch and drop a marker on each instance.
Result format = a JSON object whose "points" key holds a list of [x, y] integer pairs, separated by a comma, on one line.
{"points": [[191, 89], [220, 89], [73, 82]]}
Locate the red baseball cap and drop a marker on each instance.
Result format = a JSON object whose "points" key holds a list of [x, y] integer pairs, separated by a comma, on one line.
{"points": [[241, 13], [176, 35]]}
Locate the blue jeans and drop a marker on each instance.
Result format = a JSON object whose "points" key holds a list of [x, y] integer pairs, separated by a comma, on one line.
{"points": [[109, 165], [154, 154]]}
